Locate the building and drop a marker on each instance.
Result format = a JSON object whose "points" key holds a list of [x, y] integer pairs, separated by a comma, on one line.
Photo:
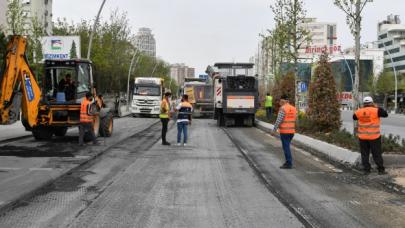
{"points": [[145, 41], [180, 71], [41, 9], [370, 51], [391, 37], [3, 8]]}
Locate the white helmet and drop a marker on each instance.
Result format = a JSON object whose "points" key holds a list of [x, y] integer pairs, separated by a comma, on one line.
{"points": [[367, 100]]}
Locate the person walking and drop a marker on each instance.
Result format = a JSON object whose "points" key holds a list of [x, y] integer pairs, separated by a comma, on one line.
{"points": [[268, 104], [285, 124], [368, 132], [183, 119], [165, 116], [87, 112]]}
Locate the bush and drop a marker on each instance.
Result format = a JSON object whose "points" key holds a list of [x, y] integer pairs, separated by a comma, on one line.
{"points": [[284, 86], [323, 105]]}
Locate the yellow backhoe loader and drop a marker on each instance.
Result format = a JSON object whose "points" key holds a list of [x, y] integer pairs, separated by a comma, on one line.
{"points": [[55, 106]]}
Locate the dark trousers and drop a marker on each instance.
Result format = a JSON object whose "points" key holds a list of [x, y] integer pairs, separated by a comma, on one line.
{"points": [[269, 111], [165, 122], [286, 142], [182, 127], [83, 128], [376, 150]]}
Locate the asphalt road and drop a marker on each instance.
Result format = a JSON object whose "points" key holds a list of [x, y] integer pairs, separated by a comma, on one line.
{"points": [[394, 124], [209, 183]]}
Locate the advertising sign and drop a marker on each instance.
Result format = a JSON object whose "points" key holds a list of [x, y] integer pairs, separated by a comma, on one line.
{"points": [[319, 50], [61, 47], [345, 98]]}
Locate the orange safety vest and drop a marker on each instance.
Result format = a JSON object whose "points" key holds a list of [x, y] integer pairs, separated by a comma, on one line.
{"points": [[84, 116], [288, 124], [368, 123]]}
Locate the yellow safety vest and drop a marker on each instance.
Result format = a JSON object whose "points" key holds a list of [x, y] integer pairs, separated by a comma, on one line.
{"points": [[164, 109]]}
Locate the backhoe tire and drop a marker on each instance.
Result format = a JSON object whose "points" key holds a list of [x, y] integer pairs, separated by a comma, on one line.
{"points": [[96, 128], [42, 133], [60, 131], [106, 125]]}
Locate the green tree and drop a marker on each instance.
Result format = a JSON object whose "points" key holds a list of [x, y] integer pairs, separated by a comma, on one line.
{"points": [[73, 53], [3, 47], [290, 17], [385, 85], [323, 105], [15, 17]]}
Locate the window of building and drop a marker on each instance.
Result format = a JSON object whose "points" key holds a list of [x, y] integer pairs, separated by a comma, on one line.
{"points": [[392, 51], [46, 2], [400, 58], [383, 36]]}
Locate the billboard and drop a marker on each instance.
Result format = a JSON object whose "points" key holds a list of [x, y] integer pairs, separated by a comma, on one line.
{"points": [[61, 47]]}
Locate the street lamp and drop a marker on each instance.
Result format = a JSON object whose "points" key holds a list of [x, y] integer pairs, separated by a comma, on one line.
{"points": [[129, 76], [94, 29], [395, 75]]}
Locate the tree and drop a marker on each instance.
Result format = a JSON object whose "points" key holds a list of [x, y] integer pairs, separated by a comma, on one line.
{"points": [[385, 85], [290, 16], [284, 86], [353, 10], [15, 17], [73, 53], [323, 105]]}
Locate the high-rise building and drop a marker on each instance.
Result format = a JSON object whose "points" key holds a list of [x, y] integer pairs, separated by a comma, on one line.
{"points": [[41, 9], [321, 35], [145, 41], [3, 10], [391, 37], [180, 71]]}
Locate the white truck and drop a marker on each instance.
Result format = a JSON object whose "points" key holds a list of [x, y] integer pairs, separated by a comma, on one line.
{"points": [[147, 95], [235, 93]]}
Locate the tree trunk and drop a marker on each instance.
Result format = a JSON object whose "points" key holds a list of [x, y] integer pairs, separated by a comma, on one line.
{"points": [[357, 58]]}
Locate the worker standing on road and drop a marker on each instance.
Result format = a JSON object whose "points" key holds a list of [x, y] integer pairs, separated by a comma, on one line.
{"points": [[183, 119], [368, 131], [285, 123], [87, 112], [165, 116], [268, 104]]}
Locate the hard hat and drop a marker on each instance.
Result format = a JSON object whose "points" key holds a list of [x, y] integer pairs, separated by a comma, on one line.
{"points": [[367, 100]]}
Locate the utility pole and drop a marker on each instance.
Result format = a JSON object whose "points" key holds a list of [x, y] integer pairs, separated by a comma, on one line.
{"points": [[129, 76], [94, 29]]}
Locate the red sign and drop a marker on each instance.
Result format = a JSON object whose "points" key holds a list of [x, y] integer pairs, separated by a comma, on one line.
{"points": [[319, 50], [345, 97]]}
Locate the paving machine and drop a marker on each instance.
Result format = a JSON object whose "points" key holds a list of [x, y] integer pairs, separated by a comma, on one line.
{"points": [[46, 110], [236, 96]]}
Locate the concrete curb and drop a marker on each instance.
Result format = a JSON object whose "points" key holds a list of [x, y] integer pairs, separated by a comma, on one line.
{"points": [[30, 193], [328, 151]]}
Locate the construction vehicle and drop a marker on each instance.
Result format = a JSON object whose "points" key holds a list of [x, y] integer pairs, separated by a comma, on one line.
{"points": [[45, 110], [236, 96], [147, 95], [199, 93]]}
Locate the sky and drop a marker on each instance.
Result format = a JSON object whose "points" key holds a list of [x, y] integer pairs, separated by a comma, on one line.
{"points": [[202, 32]]}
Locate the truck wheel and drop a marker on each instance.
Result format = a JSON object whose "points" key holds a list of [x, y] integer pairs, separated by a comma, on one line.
{"points": [[60, 131], [96, 128], [106, 125], [42, 133]]}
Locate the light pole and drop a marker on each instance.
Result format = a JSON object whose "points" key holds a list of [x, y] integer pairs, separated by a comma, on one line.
{"points": [[129, 76], [94, 29], [395, 75]]}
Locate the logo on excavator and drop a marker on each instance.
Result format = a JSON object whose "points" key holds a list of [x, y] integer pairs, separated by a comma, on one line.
{"points": [[28, 87]]}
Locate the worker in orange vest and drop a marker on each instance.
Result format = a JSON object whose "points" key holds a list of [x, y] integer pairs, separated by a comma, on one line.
{"points": [[87, 118], [285, 124], [368, 131]]}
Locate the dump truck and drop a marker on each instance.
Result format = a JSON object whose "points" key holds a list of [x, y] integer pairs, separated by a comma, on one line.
{"points": [[236, 96], [44, 109], [199, 93], [147, 95]]}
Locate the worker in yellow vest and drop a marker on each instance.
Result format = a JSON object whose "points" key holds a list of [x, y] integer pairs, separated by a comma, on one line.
{"points": [[87, 114], [268, 104], [285, 124], [165, 116], [368, 132]]}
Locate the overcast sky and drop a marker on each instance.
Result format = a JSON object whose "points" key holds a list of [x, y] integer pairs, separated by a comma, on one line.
{"points": [[201, 32]]}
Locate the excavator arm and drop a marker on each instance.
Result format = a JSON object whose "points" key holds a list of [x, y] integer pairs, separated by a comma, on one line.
{"points": [[19, 89]]}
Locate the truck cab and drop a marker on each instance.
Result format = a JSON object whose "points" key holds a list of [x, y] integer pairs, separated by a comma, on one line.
{"points": [[147, 95]]}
